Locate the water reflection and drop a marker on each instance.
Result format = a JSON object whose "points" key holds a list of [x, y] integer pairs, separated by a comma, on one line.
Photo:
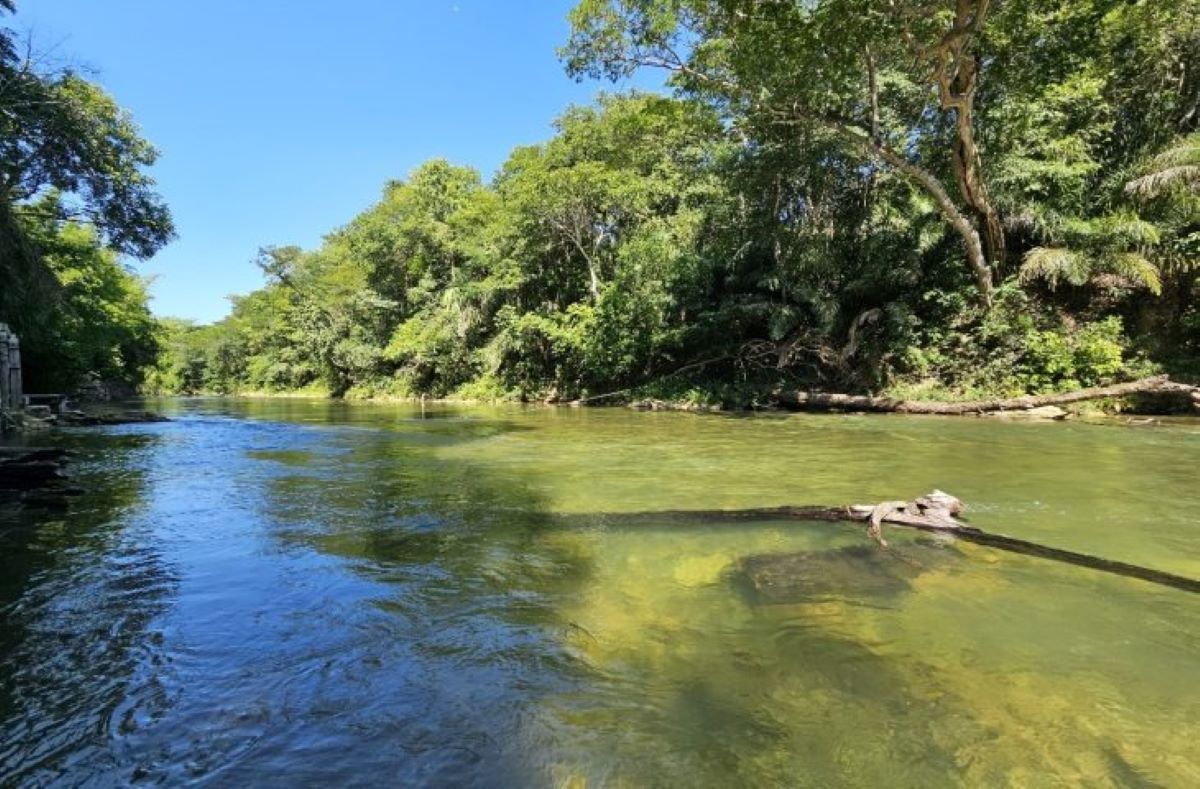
{"points": [[465, 634], [81, 600]]}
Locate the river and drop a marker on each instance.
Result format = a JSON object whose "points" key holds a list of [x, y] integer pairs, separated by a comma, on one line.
{"points": [[277, 592]]}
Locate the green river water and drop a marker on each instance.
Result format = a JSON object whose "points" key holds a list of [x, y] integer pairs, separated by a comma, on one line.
{"points": [[289, 592]]}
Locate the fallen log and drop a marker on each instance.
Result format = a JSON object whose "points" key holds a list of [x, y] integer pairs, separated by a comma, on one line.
{"points": [[815, 401], [44, 453], [936, 512]]}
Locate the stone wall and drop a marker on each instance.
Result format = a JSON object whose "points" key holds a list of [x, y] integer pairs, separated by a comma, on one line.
{"points": [[10, 370]]}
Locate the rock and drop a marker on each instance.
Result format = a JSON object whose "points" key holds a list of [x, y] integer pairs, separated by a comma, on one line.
{"points": [[859, 572], [1048, 412], [671, 405], [694, 571], [34, 477], [81, 419], [1041, 412]]}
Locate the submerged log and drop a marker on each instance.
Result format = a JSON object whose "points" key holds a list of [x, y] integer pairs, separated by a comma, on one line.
{"points": [[936, 512], [26, 475], [25, 454], [813, 401]]}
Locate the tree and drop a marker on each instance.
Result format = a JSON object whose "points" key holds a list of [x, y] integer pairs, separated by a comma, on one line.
{"points": [[986, 197], [62, 133], [100, 324], [880, 78], [74, 194]]}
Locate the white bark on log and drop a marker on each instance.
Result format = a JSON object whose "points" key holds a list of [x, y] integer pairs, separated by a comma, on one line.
{"points": [[816, 401]]}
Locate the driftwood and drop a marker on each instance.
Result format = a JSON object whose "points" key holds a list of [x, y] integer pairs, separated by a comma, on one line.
{"points": [[936, 512], [813, 401]]}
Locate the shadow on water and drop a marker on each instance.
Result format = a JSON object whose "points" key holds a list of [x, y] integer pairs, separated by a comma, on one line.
{"points": [[81, 597], [458, 632]]}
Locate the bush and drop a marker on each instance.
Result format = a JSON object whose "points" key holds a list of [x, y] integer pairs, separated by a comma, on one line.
{"points": [[1016, 348]]}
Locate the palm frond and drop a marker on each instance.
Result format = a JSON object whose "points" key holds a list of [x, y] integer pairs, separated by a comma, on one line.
{"points": [[1160, 182], [1176, 167], [1055, 264], [1180, 255], [1129, 229], [1185, 151], [1136, 269]]}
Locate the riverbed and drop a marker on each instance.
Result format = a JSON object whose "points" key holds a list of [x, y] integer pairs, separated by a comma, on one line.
{"points": [[276, 592]]}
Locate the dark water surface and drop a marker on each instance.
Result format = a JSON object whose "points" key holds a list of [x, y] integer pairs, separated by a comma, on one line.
{"points": [[291, 591]]}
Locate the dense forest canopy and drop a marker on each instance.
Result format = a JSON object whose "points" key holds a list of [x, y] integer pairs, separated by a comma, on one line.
{"points": [[931, 197]]}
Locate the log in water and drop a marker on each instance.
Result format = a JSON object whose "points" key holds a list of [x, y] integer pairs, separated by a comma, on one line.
{"points": [[819, 401], [917, 518]]}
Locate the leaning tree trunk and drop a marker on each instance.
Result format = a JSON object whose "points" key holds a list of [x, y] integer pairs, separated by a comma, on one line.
{"points": [[973, 245], [956, 73], [968, 169]]}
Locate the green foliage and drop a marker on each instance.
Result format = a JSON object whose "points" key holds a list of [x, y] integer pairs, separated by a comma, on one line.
{"points": [[1018, 347], [1173, 172], [74, 195], [96, 320]]}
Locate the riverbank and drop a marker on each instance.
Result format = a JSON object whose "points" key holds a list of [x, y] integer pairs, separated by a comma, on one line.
{"points": [[1155, 396]]}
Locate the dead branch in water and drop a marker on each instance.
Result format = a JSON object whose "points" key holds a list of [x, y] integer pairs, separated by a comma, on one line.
{"points": [[814, 401], [936, 512]]}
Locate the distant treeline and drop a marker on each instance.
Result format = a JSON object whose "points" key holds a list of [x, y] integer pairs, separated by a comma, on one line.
{"points": [[931, 197]]}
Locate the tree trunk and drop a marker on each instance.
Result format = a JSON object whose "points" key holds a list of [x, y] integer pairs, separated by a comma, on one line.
{"points": [[968, 170], [977, 252], [956, 73], [814, 401], [976, 257], [932, 186]]}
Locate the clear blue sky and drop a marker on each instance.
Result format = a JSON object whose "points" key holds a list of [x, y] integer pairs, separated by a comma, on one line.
{"points": [[279, 121]]}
